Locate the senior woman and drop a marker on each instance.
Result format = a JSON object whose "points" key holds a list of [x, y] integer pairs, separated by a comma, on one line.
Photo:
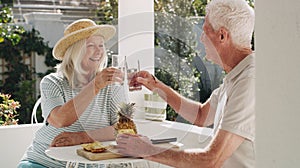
{"points": [[78, 101]]}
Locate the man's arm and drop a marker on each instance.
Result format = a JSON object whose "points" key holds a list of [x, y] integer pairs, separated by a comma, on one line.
{"points": [[192, 111], [220, 150]]}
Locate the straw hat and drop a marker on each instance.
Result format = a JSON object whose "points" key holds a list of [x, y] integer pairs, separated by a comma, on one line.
{"points": [[78, 30]]}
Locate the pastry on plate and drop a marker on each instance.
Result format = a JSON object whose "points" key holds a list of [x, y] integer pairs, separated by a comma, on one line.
{"points": [[95, 147]]}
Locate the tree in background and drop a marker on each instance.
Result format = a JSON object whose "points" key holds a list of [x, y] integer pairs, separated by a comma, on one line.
{"points": [[18, 78], [108, 12], [8, 31], [176, 57], [176, 50], [178, 26], [175, 44]]}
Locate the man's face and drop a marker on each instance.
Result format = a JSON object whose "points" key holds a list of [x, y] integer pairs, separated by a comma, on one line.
{"points": [[94, 53], [209, 38]]}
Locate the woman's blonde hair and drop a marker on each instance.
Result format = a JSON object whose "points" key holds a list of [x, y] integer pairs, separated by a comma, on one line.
{"points": [[71, 67]]}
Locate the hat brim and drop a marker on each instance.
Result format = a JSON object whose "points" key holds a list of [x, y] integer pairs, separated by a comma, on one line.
{"points": [[106, 31]]}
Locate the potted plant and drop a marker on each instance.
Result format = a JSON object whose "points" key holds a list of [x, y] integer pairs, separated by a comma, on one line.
{"points": [[8, 110]]}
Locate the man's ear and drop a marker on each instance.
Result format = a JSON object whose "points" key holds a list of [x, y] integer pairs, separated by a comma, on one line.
{"points": [[223, 34]]}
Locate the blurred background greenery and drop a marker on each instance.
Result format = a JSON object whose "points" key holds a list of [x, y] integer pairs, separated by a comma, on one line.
{"points": [[179, 57]]}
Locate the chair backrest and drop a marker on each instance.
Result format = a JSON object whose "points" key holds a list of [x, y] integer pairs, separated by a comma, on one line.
{"points": [[33, 114]]}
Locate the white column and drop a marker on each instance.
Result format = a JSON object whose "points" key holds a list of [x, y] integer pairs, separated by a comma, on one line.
{"points": [[136, 41], [277, 83]]}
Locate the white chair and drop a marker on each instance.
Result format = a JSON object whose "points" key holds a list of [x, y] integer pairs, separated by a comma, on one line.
{"points": [[33, 114]]}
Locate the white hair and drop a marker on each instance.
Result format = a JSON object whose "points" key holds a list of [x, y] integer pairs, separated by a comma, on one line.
{"points": [[234, 15], [71, 66]]}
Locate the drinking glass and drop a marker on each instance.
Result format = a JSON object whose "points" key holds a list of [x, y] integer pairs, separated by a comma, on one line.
{"points": [[130, 74], [115, 61]]}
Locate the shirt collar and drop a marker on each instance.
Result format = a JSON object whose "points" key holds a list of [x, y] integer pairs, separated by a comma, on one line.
{"points": [[249, 60]]}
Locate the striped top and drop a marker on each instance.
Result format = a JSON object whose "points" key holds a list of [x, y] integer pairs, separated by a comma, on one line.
{"points": [[55, 91]]}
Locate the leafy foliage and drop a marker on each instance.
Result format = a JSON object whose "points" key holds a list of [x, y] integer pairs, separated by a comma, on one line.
{"points": [[175, 41], [8, 110], [107, 11], [7, 30], [175, 53], [198, 7], [175, 38], [20, 78]]}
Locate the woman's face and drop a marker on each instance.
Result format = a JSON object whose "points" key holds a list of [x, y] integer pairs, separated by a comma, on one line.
{"points": [[94, 53]]}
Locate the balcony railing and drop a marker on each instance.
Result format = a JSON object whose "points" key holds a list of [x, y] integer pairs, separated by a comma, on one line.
{"points": [[71, 9]]}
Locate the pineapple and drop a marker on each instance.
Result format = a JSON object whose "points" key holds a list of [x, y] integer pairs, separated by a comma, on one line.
{"points": [[125, 123]]}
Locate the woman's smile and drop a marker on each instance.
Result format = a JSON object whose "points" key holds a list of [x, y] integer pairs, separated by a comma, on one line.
{"points": [[95, 59], [94, 53]]}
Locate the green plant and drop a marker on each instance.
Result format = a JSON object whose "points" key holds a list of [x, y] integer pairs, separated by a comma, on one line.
{"points": [[19, 78], [176, 41], [107, 11], [176, 50], [8, 110], [166, 20], [22, 75], [8, 31]]}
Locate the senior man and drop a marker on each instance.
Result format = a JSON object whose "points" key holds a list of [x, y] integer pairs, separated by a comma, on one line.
{"points": [[227, 34]]}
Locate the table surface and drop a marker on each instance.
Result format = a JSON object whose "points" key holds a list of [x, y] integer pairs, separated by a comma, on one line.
{"points": [[186, 134], [69, 154]]}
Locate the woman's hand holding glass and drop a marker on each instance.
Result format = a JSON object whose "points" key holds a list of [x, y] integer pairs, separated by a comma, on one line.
{"points": [[108, 76]]}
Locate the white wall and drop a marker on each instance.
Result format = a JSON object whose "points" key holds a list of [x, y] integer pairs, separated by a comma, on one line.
{"points": [[14, 141], [277, 83]]}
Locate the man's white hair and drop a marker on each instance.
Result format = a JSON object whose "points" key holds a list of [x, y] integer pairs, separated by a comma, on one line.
{"points": [[234, 15]]}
